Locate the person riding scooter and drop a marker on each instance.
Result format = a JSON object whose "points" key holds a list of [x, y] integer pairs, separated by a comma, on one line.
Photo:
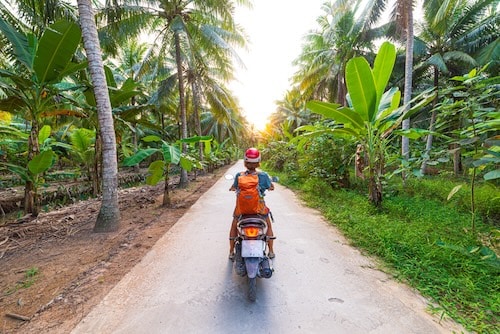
{"points": [[252, 160]]}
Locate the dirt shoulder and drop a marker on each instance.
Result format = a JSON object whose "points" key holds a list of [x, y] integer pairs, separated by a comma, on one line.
{"points": [[54, 269]]}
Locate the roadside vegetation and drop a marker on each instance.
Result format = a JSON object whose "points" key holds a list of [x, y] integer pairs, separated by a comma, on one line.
{"points": [[422, 240]]}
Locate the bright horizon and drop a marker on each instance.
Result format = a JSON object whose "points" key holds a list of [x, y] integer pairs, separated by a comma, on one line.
{"points": [[276, 29]]}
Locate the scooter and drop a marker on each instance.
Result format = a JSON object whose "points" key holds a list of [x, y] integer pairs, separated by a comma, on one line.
{"points": [[250, 252]]}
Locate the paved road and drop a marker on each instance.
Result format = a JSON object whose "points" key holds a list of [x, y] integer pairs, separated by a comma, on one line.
{"points": [[185, 284]]}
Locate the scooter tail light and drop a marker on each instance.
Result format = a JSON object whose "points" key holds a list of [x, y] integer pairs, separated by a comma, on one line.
{"points": [[251, 232]]}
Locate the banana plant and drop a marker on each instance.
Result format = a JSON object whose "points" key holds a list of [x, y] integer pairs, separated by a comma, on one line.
{"points": [[37, 166], [31, 86], [171, 155], [373, 114]]}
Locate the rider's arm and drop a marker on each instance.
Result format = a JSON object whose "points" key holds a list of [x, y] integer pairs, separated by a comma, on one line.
{"points": [[235, 183], [265, 181]]}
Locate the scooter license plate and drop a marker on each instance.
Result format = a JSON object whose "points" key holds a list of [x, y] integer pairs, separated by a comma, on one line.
{"points": [[252, 248]]}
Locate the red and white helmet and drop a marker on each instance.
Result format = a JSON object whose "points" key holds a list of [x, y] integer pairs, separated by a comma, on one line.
{"points": [[252, 155]]}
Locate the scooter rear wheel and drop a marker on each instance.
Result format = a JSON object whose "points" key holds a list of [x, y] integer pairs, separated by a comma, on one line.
{"points": [[252, 289]]}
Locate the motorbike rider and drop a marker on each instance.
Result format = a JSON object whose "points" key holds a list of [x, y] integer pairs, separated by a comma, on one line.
{"points": [[252, 160]]}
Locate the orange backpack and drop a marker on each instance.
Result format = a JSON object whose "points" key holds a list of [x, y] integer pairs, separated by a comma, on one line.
{"points": [[249, 200]]}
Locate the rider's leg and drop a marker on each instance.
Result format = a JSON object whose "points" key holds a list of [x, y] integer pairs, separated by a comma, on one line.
{"points": [[270, 234], [233, 233]]}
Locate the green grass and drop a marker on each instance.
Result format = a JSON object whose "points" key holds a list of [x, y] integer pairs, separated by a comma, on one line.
{"points": [[425, 241], [28, 280]]}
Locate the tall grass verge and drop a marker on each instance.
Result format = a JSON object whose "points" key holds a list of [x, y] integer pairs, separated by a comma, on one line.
{"points": [[425, 241]]}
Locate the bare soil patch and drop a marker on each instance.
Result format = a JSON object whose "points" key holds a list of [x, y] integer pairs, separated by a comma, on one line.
{"points": [[54, 269]]}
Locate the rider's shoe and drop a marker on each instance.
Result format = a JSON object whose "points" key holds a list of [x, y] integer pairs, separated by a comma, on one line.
{"points": [[271, 255], [231, 256]]}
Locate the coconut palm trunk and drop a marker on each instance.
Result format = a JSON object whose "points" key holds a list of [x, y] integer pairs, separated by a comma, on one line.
{"points": [[109, 215], [182, 105], [196, 112], [432, 125], [408, 25]]}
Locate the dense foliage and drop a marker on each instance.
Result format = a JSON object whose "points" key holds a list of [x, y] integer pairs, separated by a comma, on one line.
{"points": [[45, 83]]}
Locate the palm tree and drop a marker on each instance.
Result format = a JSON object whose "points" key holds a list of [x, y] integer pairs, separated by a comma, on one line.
{"points": [[178, 26], [35, 16], [208, 71], [293, 109], [346, 30], [109, 215], [452, 33]]}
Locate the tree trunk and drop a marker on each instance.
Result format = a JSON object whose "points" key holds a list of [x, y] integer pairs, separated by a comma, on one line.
{"points": [[405, 142], [167, 202], [196, 111], [457, 159], [31, 204], [375, 193], [360, 162], [183, 183], [341, 88], [97, 166], [108, 218], [432, 125]]}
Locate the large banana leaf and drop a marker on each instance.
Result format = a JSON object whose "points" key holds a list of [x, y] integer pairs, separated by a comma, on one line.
{"points": [[82, 139], [55, 50], [120, 95], [155, 172], [171, 153], [337, 113], [382, 68], [139, 156], [361, 87], [41, 162]]}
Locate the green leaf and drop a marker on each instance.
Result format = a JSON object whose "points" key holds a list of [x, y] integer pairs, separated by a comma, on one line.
{"points": [[55, 50], [388, 107], [413, 133], [139, 156], [41, 162], [493, 175], [21, 171], [43, 134], [110, 78], [82, 139], [151, 138], [383, 66], [186, 164], [122, 95], [207, 148], [196, 139], [155, 172], [361, 88], [171, 153], [336, 112]]}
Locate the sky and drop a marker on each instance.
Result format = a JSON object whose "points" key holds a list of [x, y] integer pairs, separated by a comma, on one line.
{"points": [[276, 29]]}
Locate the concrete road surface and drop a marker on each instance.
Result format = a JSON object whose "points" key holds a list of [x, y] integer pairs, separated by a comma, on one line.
{"points": [[186, 284]]}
